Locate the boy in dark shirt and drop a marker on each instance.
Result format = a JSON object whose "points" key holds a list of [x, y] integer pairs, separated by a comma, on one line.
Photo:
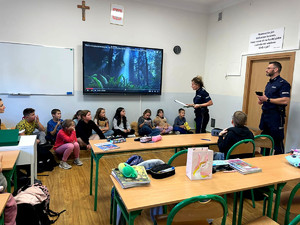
{"points": [[228, 137]]}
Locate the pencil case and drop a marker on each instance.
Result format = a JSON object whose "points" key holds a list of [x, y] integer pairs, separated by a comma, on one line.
{"points": [[162, 171]]}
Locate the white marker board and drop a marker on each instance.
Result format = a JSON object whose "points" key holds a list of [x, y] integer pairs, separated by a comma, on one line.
{"points": [[36, 70]]}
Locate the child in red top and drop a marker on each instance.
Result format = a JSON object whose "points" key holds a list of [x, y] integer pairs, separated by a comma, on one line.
{"points": [[66, 143]]}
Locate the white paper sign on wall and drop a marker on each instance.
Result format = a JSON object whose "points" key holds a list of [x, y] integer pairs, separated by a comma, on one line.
{"points": [[266, 41], [117, 14]]}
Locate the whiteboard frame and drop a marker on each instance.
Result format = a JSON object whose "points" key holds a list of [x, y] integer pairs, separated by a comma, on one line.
{"points": [[70, 93]]}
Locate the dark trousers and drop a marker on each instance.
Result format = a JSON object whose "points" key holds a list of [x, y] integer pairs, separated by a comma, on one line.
{"points": [[123, 134], [272, 123], [201, 122]]}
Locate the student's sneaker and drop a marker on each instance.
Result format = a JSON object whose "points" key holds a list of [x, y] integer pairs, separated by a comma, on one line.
{"points": [[64, 165], [177, 132], [78, 162]]}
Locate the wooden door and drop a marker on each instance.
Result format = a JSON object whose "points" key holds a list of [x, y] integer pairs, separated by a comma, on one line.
{"points": [[256, 80]]}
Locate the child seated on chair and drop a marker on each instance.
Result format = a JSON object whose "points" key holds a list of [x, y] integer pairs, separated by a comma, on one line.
{"points": [[102, 122], [29, 123], [229, 136], [121, 125], [180, 125], [145, 125], [160, 122], [66, 143], [2, 108], [77, 117], [54, 125], [84, 130]]}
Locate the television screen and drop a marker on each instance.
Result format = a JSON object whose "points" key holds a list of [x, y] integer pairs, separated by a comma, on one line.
{"points": [[109, 68]]}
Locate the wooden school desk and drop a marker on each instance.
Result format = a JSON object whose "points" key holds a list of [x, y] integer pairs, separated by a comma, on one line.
{"points": [[3, 199], [9, 167], [167, 142], [275, 170]]}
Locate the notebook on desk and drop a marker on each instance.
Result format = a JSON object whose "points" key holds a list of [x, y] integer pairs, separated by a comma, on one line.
{"points": [[9, 137]]}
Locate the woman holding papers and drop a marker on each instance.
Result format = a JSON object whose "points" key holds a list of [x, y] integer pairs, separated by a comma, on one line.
{"points": [[201, 101]]}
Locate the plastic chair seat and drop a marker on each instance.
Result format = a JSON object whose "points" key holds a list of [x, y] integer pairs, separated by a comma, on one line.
{"points": [[264, 220]]}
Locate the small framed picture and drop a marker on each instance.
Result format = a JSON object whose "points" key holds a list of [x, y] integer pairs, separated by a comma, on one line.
{"points": [[117, 14]]}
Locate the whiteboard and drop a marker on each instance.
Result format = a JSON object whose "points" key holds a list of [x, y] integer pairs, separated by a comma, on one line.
{"points": [[36, 70]]}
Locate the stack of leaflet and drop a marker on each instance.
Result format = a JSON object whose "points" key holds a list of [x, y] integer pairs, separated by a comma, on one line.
{"points": [[106, 146], [243, 167], [141, 179]]}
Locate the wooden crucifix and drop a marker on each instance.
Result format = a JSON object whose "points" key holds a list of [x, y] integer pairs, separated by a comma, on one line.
{"points": [[83, 7]]}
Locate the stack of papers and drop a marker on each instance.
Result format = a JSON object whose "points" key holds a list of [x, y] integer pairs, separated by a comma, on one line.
{"points": [[141, 179], [243, 167]]}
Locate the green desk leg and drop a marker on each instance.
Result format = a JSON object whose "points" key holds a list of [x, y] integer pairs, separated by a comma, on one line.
{"points": [[240, 216], [91, 176], [9, 174], [234, 209], [2, 219], [129, 217], [277, 200], [96, 157], [270, 201]]}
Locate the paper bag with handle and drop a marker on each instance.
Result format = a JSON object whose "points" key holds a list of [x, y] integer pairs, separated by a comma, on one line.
{"points": [[199, 163]]}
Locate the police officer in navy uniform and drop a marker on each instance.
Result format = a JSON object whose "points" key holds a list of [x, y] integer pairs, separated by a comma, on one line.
{"points": [[274, 101], [201, 101]]}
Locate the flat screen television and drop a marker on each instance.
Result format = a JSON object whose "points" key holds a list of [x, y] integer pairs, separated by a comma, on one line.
{"points": [[119, 69]]}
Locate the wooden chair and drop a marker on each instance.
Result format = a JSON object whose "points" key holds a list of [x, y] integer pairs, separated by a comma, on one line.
{"points": [[179, 158], [264, 141], [244, 148], [289, 201], [195, 210]]}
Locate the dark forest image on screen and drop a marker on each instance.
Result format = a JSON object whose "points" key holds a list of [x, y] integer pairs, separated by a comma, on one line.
{"points": [[121, 69]]}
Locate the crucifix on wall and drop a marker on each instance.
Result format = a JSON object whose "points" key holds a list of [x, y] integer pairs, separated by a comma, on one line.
{"points": [[83, 7]]}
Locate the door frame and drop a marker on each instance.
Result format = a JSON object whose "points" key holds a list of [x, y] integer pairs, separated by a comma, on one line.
{"points": [[270, 57]]}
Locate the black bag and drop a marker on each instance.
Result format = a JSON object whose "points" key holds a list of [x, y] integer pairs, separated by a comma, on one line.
{"points": [[45, 159], [37, 214], [215, 131], [162, 171]]}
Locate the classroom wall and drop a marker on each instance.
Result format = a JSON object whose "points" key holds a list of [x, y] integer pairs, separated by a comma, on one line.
{"points": [[58, 23], [227, 50]]}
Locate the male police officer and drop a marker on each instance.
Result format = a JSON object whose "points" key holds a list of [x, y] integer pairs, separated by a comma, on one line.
{"points": [[274, 101]]}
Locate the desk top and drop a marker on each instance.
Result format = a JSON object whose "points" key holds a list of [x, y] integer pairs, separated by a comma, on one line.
{"points": [[3, 199], [275, 169], [168, 141], [9, 159]]}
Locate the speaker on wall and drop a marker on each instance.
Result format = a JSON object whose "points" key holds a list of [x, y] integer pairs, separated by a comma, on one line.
{"points": [[177, 49]]}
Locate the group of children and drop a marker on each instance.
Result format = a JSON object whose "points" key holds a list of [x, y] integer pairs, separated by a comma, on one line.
{"points": [[69, 136]]}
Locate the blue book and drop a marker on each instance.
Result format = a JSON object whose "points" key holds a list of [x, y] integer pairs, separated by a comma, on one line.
{"points": [[106, 146]]}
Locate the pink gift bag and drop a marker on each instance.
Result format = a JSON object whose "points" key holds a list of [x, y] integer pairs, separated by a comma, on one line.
{"points": [[199, 163]]}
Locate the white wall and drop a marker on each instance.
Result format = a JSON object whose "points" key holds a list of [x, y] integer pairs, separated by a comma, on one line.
{"points": [[58, 23], [228, 40]]}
